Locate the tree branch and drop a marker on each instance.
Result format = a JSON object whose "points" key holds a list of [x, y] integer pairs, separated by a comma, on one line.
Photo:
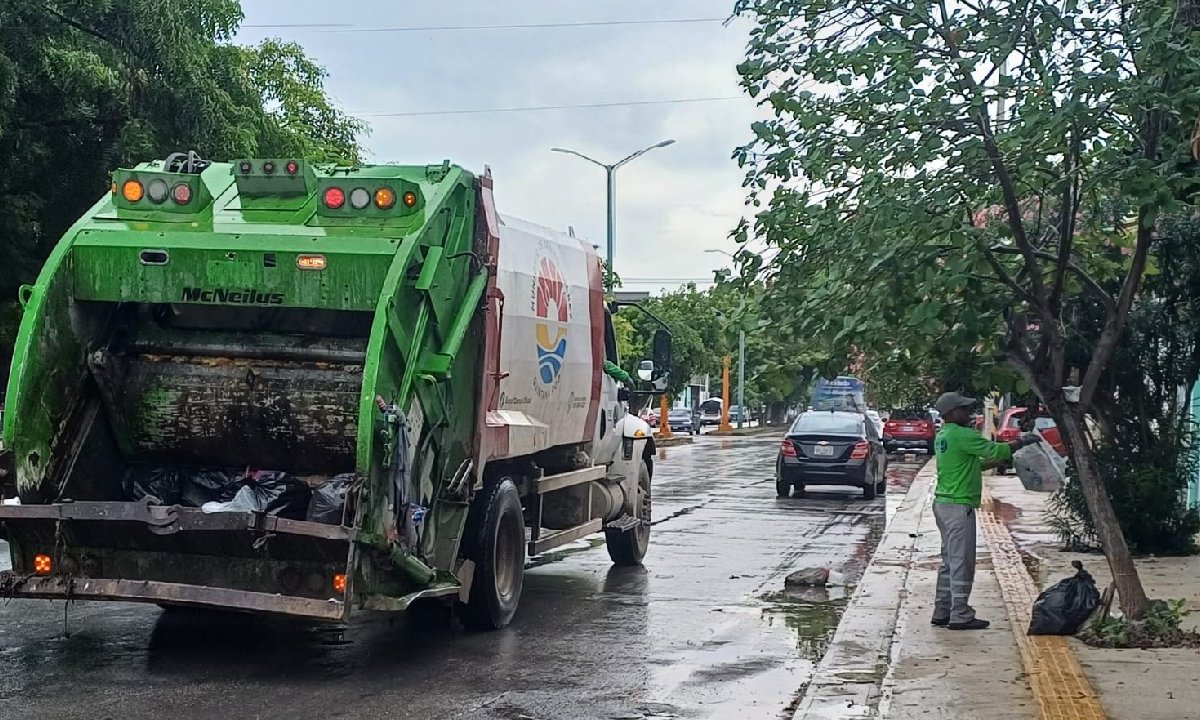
{"points": [[1091, 282]]}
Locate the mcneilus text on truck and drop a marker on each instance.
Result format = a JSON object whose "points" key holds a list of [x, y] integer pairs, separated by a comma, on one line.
{"points": [[280, 387]]}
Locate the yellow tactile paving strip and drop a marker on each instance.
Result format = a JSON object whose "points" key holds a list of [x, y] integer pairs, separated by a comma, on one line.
{"points": [[1059, 686]]}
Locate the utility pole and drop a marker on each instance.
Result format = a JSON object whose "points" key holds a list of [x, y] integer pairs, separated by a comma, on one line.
{"points": [[724, 426], [610, 172], [741, 376]]}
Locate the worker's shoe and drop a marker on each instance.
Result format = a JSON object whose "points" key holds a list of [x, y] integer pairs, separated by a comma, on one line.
{"points": [[940, 622], [975, 624]]}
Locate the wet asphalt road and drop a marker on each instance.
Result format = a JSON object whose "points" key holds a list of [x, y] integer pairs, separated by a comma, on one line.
{"points": [[702, 631]]}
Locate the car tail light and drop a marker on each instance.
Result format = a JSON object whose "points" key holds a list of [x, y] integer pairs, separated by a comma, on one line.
{"points": [[788, 449], [861, 449]]}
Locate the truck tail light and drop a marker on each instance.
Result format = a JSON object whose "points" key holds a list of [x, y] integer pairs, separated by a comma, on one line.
{"points": [[339, 583], [410, 199], [182, 193], [788, 449], [334, 198], [862, 448], [42, 564]]}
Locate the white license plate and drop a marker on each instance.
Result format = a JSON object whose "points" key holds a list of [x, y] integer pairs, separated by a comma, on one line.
{"points": [[909, 428], [826, 450]]}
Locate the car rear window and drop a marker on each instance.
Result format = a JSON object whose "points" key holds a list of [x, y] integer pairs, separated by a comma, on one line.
{"points": [[910, 415], [826, 423], [1044, 423], [680, 414]]}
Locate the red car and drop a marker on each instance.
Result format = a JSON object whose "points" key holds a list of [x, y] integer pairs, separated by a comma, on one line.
{"points": [[1010, 429], [908, 430]]}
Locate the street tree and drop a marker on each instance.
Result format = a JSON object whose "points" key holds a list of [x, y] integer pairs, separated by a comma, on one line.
{"points": [[954, 176], [87, 86]]}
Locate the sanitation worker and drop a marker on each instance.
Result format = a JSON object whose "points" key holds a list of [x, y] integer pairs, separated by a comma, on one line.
{"points": [[961, 454]]}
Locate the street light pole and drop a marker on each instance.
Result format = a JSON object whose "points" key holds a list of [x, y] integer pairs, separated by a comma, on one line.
{"points": [[610, 172], [741, 376]]}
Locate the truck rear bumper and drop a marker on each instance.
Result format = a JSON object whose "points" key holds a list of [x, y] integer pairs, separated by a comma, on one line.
{"points": [[134, 552], [58, 587]]}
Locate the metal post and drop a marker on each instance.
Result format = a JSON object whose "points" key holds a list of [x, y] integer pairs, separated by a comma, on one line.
{"points": [[741, 376], [724, 426], [664, 425], [611, 171]]}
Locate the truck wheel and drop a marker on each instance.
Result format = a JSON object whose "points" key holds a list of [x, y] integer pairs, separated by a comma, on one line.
{"points": [[628, 547], [495, 541]]}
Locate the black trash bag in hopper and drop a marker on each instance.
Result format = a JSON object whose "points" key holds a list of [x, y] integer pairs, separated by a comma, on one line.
{"points": [[278, 493], [1064, 606], [273, 493], [328, 502], [161, 485], [203, 486]]}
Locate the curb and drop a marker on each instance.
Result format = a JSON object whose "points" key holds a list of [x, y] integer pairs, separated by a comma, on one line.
{"points": [[846, 684], [675, 440]]}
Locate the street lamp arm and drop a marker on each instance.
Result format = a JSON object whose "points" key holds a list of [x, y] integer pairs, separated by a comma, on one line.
{"points": [[580, 155], [634, 156]]}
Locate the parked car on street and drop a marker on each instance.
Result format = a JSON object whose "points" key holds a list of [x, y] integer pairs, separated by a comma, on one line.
{"points": [[1012, 420], [873, 415], [909, 430], [710, 412], [680, 420], [735, 414], [831, 448]]}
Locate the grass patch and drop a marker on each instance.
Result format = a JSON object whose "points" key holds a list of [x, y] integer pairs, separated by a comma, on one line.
{"points": [[1161, 628]]}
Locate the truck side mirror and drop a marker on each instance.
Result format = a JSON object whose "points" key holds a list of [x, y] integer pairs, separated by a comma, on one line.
{"points": [[662, 352]]}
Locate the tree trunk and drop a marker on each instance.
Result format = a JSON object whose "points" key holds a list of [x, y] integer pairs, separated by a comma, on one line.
{"points": [[1125, 576]]}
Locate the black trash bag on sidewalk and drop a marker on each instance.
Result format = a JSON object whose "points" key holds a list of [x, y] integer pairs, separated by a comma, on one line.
{"points": [[328, 502], [1064, 606]]}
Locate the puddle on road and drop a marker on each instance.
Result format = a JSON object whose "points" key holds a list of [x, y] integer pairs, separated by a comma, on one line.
{"points": [[813, 618]]}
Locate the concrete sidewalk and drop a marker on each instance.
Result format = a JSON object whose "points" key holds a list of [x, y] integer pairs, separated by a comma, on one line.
{"points": [[887, 661]]}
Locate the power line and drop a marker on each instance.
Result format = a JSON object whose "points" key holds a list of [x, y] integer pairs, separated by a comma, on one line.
{"points": [[347, 28], [539, 108]]}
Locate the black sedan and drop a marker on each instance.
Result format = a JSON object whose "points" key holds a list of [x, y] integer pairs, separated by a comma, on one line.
{"points": [[680, 420], [831, 448]]}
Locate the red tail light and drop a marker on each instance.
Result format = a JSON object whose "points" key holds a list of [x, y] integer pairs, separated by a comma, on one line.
{"points": [[335, 198], [787, 449], [862, 448]]}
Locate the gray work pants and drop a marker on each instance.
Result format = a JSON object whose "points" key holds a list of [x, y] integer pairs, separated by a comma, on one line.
{"points": [[956, 523]]}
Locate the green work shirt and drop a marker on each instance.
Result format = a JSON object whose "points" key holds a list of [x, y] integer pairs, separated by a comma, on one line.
{"points": [[961, 453]]}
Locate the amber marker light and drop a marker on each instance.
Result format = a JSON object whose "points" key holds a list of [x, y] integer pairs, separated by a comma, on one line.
{"points": [[42, 565], [385, 198], [132, 191], [310, 262], [339, 583]]}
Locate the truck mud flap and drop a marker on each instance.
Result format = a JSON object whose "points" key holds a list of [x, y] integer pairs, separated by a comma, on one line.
{"points": [[135, 552]]}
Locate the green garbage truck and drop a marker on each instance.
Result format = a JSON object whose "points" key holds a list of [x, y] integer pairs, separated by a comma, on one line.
{"points": [[282, 387]]}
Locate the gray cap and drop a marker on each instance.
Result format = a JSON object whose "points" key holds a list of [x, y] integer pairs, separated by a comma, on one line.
{"points": [[951, 400]]}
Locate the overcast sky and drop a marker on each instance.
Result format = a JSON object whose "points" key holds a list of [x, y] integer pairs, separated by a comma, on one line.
{"points": [[672, 204]]}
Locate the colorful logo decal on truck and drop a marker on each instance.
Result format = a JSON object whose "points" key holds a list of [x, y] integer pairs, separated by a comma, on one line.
{"points": [[552, 306]]}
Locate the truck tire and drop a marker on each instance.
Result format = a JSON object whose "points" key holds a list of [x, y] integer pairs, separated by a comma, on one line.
{"points": [[495, 541], [628, 547]]}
